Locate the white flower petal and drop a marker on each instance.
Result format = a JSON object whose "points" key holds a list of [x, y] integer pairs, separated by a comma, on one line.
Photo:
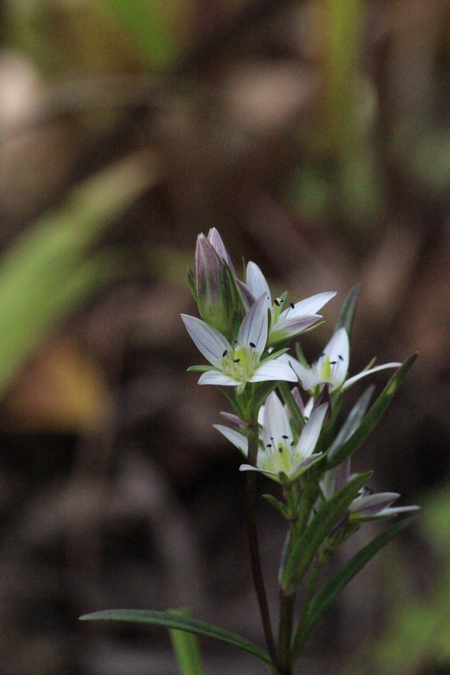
{"points": [[297, 469], [276, 423], [207, 339], [234, 419], [307, 378], [338, 349], [256, 282], [311, 431], [355, 378], [248, 467], [289, 326], [311, 305], [217, 378], [373, 504], [238, 439], [394, 510], [277, 369], [216, 242], [254, 327]]}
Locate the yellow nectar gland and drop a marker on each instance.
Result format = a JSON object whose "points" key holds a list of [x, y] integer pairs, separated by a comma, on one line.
{"points": [[240, 363]]}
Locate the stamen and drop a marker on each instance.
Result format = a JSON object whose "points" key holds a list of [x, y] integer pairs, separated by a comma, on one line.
{"points": [[291, 305], [285, 437], [333, 363], [277, 301], [269, 445], [341, 358], [280, 450], [292, 444], [225, 353], [236, 360], [252, 344]]}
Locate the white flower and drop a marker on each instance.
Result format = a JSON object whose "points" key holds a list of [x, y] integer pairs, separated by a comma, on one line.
{"points": [[240, 362], [285, 323], [331, 367], [279, 454], [366, 505]]}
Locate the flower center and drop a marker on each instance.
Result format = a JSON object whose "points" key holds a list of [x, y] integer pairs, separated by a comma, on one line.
{"points": [[240, 363], [279, 456]]}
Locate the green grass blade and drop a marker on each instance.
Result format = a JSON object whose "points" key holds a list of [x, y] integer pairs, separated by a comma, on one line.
{"points": [[50, 266], [177, 622], [333, 587]]}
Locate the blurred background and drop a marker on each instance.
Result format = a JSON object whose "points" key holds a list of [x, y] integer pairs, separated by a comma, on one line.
{"points": [[315, 135]]}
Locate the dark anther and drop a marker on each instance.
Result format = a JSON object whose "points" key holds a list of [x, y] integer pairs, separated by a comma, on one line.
{"points": [[236, 360], [341, 358], [292, 444], [269, 445], [280, 450], [252, 344], [291, 305], [235, 342], [225, 353], [333, 363], [277, 302], [285, 437]]}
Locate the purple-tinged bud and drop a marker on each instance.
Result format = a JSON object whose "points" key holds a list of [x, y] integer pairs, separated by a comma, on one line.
{"points": [[216, 242], [216, 293]]}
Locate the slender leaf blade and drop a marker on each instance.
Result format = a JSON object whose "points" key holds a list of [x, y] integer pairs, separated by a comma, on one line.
{"points": [[333, 587], [373, 416], [347, 313], [320, 526], [177, 622]]}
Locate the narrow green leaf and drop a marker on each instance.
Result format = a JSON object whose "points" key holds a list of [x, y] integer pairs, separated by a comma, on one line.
{"points": [[373, 416], [319, 528], [279, 506], [199, 369], [173, 620], [297, 419], [333, 587], [262, 392], [347, 313], [352, 422], [186, 649]]}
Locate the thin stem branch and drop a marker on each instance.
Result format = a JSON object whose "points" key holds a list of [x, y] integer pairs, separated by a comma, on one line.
{"points": [[252, 534], [297, 643], [287, 603]]}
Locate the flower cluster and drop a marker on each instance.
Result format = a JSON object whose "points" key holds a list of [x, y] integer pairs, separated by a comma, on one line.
{"points": [[244, 334]]}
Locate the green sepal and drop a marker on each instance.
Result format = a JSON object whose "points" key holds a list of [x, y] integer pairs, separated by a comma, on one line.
{"points": [[186, 649], [279, 506], [319, 528], [373, 416], [260, 395], [275, 355], [177, 622], [300, 355], [233, 402], [199, 369], [334, 586], [297, 421], [192, 284], [347, 313]]}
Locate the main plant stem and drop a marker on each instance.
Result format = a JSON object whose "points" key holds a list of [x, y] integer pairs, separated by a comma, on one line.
{"points": [[252, 534]]}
